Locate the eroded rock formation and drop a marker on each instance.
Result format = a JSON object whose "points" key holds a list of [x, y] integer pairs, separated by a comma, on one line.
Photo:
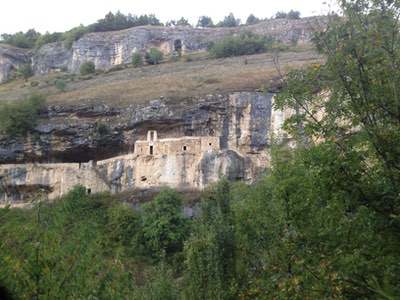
{"points": [[184, 145], [108, 49]]}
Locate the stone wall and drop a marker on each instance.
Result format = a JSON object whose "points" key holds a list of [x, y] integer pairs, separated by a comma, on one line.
{"points": [[223, 135]]}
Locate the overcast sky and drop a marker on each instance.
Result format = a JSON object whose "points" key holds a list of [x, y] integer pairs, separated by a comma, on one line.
{"points": [[61, 15]]}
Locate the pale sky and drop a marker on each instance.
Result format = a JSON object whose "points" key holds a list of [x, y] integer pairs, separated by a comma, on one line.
{"points": [[61, 15]]}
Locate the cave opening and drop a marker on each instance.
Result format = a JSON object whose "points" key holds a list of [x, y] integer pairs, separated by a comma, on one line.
{"points": [[151, 150], [178, 46]]}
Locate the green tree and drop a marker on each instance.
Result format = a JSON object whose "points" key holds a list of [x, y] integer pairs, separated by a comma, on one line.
{"points": [[244, 44], [87, 68], [60, 84], [21, 39], [210, 251], [354, 170], [229, 21], [20, 118], [281, 15], [137, 59], [204, 22], [25, 71], [164, 226], [73, 35], [154, 56], [293, 14], [252, 19]]}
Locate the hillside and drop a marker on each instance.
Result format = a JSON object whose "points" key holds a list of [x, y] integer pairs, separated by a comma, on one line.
{"points": [[174, 80]]}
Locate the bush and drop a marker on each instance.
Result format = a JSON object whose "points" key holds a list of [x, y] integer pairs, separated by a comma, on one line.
{"points": [[164, 226], [245, 44], [137, 59], [60, 85], [87, 68], [229, 21], [25, 71], [73, 35], [21, 39], [252, 19], [154, 56], [19, 118], [293, 14], [205, 21], [281, 15]]}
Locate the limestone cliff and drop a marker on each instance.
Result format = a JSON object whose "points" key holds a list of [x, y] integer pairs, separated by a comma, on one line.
{"points": [[10, 59], [197, 142], [108, 49]]}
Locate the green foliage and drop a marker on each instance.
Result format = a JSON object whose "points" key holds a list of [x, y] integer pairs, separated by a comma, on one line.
{"points": [[19, 118], [25, 71], [292, 14], [205, 21], [60, 84], [21, 39], [87, 68], [244, 44], [154, 56], [61, 251], [210, 251], [119, 21], [164, 226], [229, 21], [48, 38], [252, 19], [322, 224], [102, 129], [137, 59], [181, 22], [73, 35]]}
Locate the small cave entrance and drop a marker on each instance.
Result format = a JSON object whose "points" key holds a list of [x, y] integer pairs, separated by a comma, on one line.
{"points": [[184, 148], [89, 191], [178, 46], [151, 150]]}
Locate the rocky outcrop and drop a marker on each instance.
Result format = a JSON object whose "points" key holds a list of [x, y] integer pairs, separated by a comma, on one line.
{"points": [[10, 59], [108, 49], [200, 140]]}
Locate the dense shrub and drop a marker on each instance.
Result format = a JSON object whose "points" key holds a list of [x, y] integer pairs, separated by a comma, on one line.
{"points": [[154, 56], [19, 118], [73, 35], [293, 14], [229, 21], [244, 44], [252, 19], [137, 59], [48, 38], [119, 21], [87, 68], [60, 84], [164, 226], [25, 71], [21, 39], [204, 22]]}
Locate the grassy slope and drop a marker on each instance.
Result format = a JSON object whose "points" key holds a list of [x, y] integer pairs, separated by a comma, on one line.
{"points": [[170, 79]]}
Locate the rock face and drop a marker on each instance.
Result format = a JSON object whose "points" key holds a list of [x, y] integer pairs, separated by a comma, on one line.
{"points": [[184, 145], [108, 49], [10, 59]]}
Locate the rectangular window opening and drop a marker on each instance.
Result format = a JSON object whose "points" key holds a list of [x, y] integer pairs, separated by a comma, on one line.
{"points": [[151, 150]]}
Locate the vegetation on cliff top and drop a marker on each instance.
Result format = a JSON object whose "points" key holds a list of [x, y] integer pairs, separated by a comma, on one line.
{"points": [[119, 21], [19, 118]]}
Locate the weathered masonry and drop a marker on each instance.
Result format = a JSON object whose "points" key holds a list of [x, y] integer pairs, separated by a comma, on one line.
{"points": [[230, 137]]}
